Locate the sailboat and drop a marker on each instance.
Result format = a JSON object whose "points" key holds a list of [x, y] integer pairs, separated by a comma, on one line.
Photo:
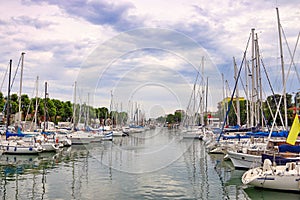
{"points": [[280, 177], [16, 146], [79, 137], [246, 160], [194, 128]]}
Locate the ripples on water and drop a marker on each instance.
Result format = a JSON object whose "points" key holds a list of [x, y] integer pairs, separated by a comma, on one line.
{"points": [[153, 165]]}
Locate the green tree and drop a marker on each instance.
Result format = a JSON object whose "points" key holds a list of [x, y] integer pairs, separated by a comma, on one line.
{"points": [[161, 119], [51, 109], [177, 117], [68, 111], [59, 109], [26, 105], [14, 104], [41, 109], [170, 118], [272, 100], [2, 102], [103, 113]]}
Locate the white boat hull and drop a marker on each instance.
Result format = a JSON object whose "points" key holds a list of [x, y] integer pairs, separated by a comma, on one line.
{"points": [[243, 160], [81, 140], [20, 147], [7, 149], [49, 146], [278, 178]]}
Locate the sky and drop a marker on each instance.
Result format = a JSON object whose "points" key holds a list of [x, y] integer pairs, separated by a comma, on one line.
{"points": [[148, 54]]}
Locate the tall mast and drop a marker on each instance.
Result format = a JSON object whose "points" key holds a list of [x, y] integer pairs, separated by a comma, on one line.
{"points": [[45, 109], [259, 84], [247, 91], [194, 106], [36, 102], [20, 92], [227, 103], [257, 105], [74, 106], [111, 101], [282, 68], [252, 81], [238, 115], [111, 108], [8, 98], [206, 94], [88, 110], [202, 94], [223, 92]]}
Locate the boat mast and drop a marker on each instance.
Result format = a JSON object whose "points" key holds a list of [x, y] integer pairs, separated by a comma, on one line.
{"points": [[20, 92], [223, 92], [238, 115], [45, 109], [202, 94], [206, 96], [227, 103], [252, 81], [247, 92], [36, 102], [8, 98], [111, 108], [282, 68], [259, 83], [74, 107]]}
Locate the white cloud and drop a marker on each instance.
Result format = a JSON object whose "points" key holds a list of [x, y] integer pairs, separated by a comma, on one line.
{"points": [[58, 39]]}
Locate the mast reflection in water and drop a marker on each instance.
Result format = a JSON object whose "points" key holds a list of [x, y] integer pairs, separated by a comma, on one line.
{"points": [[156, 164]]}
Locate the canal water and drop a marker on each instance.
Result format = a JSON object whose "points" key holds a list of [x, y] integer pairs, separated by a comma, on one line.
{"points": [[156, 164]]}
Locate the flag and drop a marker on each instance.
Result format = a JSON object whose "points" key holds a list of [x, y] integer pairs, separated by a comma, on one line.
{"points": [[294, 131]]}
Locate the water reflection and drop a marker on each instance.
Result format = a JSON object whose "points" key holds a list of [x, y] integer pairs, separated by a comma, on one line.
{"points": [[90, 172], [23, 175], [258, 193]]}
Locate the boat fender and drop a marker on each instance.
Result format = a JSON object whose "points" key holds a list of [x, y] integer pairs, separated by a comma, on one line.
{"points": [[292, 166], [15, 149], [30, 148], [7, 148], [56, 140], [287, 167]]}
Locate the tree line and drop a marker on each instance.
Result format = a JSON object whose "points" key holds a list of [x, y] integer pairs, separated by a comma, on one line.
{"points": [[59, 111], [269, 108]]}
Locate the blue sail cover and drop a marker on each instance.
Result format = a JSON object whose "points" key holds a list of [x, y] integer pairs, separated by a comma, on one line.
{"points": [[237, 136], [279, 160], [10, 134], [135, 126], [289, 148], [256, 134], [266, 134]]}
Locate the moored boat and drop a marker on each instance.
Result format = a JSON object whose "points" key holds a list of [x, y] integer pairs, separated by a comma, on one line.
{"points": [[81, 137], [20, 147], [244, 160], [281, 177]]}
